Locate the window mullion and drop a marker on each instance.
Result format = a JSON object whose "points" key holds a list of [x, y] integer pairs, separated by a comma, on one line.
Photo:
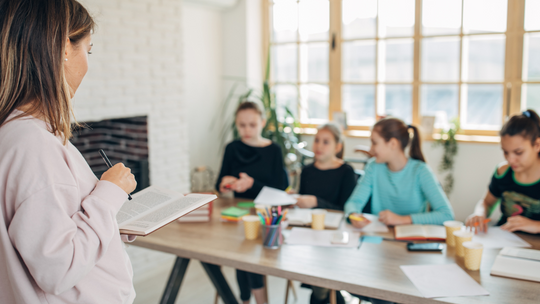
{"points": [[334, 59], [514, 58], [416, 63]]}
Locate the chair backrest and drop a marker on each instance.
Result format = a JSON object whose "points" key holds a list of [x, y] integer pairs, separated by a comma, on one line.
{"points": [[367, 207]]}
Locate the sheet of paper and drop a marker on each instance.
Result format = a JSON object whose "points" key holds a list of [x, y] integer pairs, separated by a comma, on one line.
{"points": [[498, 238], [374, 226], [274, 197], [310, 237], [448, 280]]}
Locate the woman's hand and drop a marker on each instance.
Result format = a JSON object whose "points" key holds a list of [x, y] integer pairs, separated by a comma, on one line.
{"points": [[357, 223], [476, 223], [389, 218], [226, 183], [306, 201], [244, 183], [521, 223], [120, 176]]}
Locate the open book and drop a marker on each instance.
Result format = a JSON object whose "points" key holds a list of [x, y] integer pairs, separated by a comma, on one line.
{"points": [[420, 232], [154, 207], [517, 263]]}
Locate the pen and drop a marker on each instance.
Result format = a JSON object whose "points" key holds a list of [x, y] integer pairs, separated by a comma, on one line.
{"points": [[485, 222], [108, 162], [356, 218]]}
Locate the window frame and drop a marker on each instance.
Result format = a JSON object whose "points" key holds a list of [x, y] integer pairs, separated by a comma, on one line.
{"points": [[513, 65]]}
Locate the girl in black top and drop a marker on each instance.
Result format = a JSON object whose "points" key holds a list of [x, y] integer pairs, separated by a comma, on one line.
{"points": [[517, 181], [329, 181], [248, 165]]}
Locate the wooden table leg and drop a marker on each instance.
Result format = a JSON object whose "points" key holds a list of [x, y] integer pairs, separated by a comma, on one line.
{"points": [[175, 280], [221, 285], [333, 299]]}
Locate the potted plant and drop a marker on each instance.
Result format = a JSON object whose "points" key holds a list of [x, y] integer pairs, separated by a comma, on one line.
{"points": [[450, 146]]}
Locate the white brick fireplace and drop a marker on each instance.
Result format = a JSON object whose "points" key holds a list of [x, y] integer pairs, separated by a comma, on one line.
{"points": [[136, 70]]}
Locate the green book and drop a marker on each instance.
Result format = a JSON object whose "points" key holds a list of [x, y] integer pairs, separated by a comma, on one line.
{"points": [[246, 205], [234, 212]]}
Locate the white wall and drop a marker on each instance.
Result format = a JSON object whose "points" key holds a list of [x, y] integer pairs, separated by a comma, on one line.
{"points": [[136, 69], [203, 69], [474, 166]]}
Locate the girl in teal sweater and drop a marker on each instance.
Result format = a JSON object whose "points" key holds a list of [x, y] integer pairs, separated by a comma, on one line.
{"points": [[400, 187]]}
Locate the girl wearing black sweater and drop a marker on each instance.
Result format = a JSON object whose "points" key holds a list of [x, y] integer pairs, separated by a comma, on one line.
{"points": [[248, 165], [327, 183]]}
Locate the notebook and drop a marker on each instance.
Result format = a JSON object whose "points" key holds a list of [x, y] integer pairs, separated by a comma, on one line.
{"points": [[420, 232], [517, 263], [302, 217]]}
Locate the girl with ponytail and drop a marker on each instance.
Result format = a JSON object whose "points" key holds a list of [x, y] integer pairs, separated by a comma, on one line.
{"points": [[400, 186], [516, 182]]}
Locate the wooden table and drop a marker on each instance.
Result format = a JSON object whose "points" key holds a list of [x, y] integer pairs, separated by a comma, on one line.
{"points": [[372, 271]]}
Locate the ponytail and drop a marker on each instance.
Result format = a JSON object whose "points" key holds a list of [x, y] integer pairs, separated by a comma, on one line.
{"points": [[416, 150], [389, 128]]}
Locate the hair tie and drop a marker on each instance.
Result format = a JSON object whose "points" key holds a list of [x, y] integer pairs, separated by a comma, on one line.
{"points": [[409, 127], [527, 113]]}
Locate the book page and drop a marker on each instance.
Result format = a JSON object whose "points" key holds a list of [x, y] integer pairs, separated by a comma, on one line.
{"points": [[140, 204], [435, 232], [408, 231], [165, 214]]}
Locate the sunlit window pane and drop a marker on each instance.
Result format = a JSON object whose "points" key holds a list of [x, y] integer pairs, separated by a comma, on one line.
{"points": [[314, 62], [358, 61], [359, 104], [440, 59], [314, 20], [440, 101], [484, 16], [530, 95], [314, 100], [441, 17], [532, 9], [396, 18], [397, 101], [483, 58], [531, 57], [359, 18], [398, 60], [481, 106], [285, 21], [284, 62], [286, 98]]}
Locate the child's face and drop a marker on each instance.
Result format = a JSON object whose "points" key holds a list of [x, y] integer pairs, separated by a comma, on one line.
{"points": [[382, 150], [519, 152], [325, 146], [249, 124]]}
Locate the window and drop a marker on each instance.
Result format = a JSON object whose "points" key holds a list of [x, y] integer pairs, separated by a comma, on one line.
{"points": [[406, 58]]}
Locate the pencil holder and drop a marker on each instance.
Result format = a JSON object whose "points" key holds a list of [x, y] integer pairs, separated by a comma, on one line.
{"points": [[272, 237]]}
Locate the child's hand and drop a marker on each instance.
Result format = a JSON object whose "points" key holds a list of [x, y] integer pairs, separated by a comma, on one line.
{"points": [[306, 201], [357, 223], [476, 223], [244, 183], [521, 223], [226, 183], [389, 218]]}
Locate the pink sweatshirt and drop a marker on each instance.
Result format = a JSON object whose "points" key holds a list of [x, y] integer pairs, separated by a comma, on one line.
{"points": [[59, 239]]}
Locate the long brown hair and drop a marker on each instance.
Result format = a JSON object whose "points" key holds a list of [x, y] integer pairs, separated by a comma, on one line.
{"points": [[33, 35], [338, 136], [389, 128]]}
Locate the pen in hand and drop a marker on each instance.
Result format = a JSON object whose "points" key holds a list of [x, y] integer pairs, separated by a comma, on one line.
{"points": [[108, 162]]}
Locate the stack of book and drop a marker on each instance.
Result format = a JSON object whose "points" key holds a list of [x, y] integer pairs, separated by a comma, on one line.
{"points": [[233, 214], [202, 214]]}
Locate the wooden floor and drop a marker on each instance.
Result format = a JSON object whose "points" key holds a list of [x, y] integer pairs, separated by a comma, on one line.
{"points": [[197, 288]]}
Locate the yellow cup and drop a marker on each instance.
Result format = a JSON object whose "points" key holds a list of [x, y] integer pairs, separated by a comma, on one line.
{"points": [[317, 219], [461, 237], [451, 226], [251, 226], [473, 255]]}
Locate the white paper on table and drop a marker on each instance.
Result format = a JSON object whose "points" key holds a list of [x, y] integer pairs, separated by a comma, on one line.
{"points": [[374, 226], [310, 237], [274, 197], [498, 238], [448, 280]]}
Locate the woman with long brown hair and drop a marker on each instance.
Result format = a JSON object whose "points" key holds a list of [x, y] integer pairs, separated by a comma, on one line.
{"points": [[59, 240]]}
